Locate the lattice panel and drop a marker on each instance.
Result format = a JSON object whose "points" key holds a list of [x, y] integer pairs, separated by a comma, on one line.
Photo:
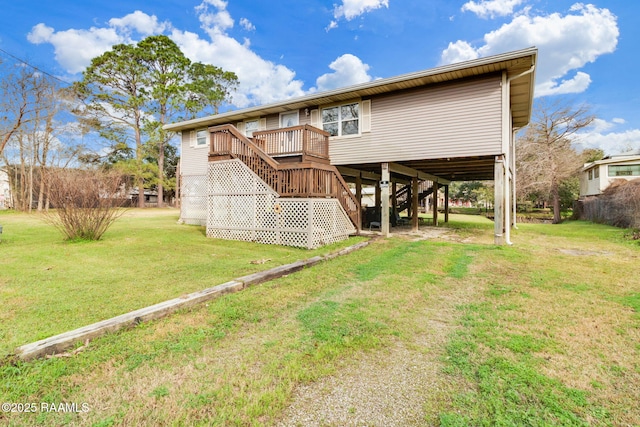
{"points": [[234, 177], [330, 222], [240, 206], [193, 206]]}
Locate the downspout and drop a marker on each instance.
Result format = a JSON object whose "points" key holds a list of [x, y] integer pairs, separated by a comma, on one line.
{"points": [[510, 187]]}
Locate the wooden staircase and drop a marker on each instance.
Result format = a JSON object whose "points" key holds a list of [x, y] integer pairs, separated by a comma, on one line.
{"points": [[425, 188], [294, 162]]}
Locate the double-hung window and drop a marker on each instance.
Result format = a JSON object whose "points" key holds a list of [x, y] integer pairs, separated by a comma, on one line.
{"points": [[250, 127], [342, 120], [202, 138]]}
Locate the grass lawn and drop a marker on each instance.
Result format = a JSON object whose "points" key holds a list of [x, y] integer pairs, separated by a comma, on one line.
{"points": [[544, 332], [49, 286]]}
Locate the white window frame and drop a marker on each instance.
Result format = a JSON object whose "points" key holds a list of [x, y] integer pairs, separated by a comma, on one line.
{"points": [[340, 119], [249, 133], [289, 113], [199, 137]]}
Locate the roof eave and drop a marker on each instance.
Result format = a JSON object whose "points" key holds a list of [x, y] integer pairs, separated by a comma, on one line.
{"points": [[513, 62]]}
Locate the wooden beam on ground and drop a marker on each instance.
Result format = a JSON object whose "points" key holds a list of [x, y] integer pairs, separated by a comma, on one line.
{"points": [[67, 340]]}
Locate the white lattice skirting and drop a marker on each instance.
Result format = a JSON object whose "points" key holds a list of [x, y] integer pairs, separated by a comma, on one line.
{"points": [[193, 199], [240, 206]]}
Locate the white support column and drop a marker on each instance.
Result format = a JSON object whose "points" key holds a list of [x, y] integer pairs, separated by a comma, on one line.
{"points": [[498, 205], [384, 196], [514, 196]]}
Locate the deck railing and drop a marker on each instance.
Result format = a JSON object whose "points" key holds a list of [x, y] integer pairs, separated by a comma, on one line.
{"points": [[300, 179], [304, 140]]}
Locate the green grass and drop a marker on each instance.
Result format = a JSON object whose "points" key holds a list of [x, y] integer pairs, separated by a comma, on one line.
{"points": [[534, 335], [49, 286]]}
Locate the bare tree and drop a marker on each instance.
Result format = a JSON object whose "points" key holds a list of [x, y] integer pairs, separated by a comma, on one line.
{"points": [[545, 156], [86, 202], [29, 127]]}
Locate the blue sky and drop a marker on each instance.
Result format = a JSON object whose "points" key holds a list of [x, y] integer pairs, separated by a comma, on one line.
{"points": [[287, 48]]}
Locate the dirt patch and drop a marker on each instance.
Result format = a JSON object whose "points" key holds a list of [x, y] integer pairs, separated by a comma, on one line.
{"points": [[401, 385], [580, 252]]}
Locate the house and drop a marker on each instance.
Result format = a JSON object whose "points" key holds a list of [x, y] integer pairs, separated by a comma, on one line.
{"points": [[292, 172], [5, 190], [596, 176]]}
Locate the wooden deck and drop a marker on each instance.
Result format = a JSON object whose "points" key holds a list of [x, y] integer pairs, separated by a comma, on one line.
{"points": [[309, 175], [306, 142]]}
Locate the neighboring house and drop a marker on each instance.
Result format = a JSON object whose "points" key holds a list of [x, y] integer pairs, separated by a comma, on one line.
{"points": [[597, 176], [5, 190], [278, 173]]}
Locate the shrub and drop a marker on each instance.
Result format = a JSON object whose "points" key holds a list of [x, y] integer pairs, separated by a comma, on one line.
{"points": [[86, 202]]}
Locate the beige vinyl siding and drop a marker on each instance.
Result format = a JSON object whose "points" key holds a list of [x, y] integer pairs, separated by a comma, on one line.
{"points": [[193, 159], [452, 120]]}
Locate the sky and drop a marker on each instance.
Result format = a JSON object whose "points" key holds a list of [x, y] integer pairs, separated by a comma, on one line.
{"points": [[287, 48]]}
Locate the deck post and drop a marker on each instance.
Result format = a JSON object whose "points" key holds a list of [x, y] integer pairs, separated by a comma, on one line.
{"points": [[414, 203], [446, 203], [384, 198], [394, 198], [435, 203], [359, 199]]}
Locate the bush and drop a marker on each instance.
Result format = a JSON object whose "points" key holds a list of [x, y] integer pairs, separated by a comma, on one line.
{"points": [[86, 202]]}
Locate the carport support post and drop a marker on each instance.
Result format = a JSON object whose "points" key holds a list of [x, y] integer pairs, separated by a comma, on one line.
{"points": [[498, 205], [384, 196], [446, 203], [435, 203], [414, 203]]}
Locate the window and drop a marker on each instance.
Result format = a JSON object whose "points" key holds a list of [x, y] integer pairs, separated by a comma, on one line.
{"points": [[590, 174], [342, 120], [250, 127], [202, 138], [624, 170], [289, 119], [596, 172]]}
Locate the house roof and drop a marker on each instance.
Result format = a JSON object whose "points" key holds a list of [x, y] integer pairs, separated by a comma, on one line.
{"points": [[619, 158], [514, 63]]}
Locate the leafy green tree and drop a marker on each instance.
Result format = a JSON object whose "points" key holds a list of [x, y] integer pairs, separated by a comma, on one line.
{"points": [[167, 70], [138, 89], [592, 154], [209, 87], [113, 89]]}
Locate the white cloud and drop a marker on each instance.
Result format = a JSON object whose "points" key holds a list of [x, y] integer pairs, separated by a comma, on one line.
{"points": [[247, 25], [140, 22], [261, 81], [348, 70], [457, 52], [599, 136], [74, 49], [217, 21], [350, 9], [566, 43], [491, 8]]}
